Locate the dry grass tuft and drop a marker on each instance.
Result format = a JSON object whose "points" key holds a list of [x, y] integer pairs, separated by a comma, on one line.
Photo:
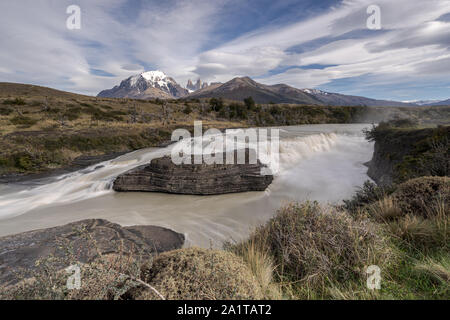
{"points": [[426, 229], [385, 209], [260, 262]]}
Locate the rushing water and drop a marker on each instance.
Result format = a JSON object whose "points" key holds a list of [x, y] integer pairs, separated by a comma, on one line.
{"points": [[317, 162]]}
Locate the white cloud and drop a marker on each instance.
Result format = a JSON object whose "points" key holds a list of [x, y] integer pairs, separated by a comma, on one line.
{"points": [[37, 48], [411, 41]]}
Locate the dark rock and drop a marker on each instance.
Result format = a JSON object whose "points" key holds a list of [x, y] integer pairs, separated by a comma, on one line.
{"points": [[162, 175], [19, 253]]}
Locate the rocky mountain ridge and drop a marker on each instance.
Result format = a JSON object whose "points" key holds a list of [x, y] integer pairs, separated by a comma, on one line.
{"points": [[156, 84]]}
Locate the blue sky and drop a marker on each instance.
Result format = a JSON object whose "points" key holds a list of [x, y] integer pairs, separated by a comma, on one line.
{"points": [[304, 43]]}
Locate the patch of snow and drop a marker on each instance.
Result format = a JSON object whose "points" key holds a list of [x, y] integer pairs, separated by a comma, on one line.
{"points": [[314, 91], [155, 79], [421, 102]]}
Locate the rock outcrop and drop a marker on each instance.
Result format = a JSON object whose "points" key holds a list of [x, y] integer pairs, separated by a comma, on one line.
{"points": [[80, 241], [197, 86], [162, 175], [404, 153]]}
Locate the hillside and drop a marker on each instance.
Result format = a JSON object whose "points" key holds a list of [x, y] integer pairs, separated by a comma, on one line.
{"points": [[241, 88], [13, 90]]}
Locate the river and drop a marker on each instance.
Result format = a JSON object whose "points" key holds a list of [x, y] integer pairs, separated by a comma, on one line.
{"points": [[318, 162]]}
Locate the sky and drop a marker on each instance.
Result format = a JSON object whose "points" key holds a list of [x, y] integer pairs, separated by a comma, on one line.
{"points": [[303, 43]]}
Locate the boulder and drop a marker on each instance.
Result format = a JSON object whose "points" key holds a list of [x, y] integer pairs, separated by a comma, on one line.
{"points": [[81, 241], [162, 175]]}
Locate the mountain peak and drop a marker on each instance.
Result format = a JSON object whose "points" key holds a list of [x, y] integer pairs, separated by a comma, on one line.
{"points": [[197, 86], [153, 75], [146, 85]]}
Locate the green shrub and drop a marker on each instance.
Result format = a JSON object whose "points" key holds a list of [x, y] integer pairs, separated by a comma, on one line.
{"points": [[4, 111], [250, 103], [23, 121], [365, 195], [187, 109], [23, 161], [216, 104], [16, 102]]}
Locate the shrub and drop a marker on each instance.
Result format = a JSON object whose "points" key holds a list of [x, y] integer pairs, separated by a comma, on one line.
{"points": [[365, 195], [16, 102], [187, 109], [314, 245], [4, 111], [250, 103], [23, 121], [417, 196], [200, 274], [216, 104]]}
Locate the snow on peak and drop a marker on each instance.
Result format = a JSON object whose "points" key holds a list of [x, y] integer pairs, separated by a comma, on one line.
{"points": [[153, 78], [154, 75], [314, 91]]}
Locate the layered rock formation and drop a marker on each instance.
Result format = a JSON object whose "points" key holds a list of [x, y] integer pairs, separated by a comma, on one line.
{"points": [[162, 175], [83, 239]]}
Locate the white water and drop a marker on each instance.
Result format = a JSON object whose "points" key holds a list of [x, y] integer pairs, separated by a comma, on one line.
{"points": [[317, 162]]}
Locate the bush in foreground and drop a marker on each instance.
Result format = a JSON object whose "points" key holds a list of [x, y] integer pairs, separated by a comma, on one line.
{"points": [[196, 273], [419, 196], [318, 248]]}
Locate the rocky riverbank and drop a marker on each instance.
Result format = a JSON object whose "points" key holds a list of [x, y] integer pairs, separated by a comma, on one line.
{"points": [[21, 254], [404, 151], [162, 175]]}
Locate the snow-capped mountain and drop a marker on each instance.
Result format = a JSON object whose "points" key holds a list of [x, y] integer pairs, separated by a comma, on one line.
{"points": [[146, 85]]}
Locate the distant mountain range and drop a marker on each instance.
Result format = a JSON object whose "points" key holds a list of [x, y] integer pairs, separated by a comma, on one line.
{"points": [[156, 84], [440, 103]]}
